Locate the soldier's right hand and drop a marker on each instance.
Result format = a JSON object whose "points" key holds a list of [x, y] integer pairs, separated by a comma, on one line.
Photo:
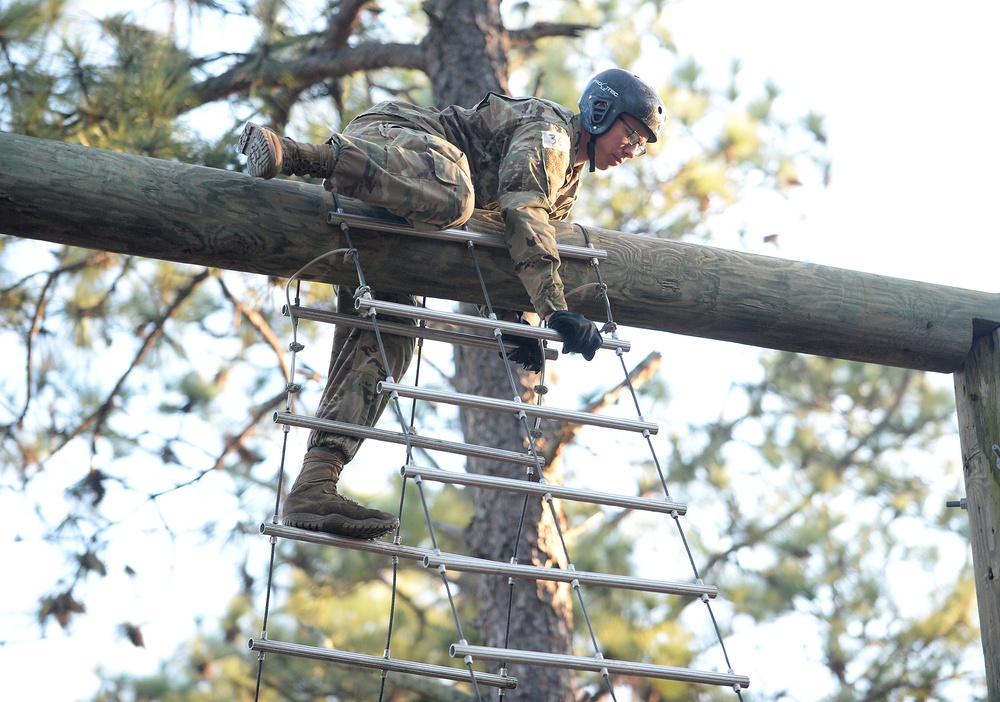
{"points": [[578, 333]]}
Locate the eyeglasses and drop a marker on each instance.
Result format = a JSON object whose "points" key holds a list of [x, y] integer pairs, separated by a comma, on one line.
{"points": [[635, 139]]}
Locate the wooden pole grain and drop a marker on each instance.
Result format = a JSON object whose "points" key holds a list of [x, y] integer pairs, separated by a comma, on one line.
{"points": [[147, 207], [977, 392]]}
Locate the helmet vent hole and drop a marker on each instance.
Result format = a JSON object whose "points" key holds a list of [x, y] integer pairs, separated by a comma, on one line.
{"points": [[600, 111]]}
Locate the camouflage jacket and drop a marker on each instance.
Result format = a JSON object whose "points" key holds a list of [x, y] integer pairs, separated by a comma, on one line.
{"points": [[521, 153]]}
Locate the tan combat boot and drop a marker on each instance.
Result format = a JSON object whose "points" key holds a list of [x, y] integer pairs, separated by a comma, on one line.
{"points": [[314, 503], [268, 155]]}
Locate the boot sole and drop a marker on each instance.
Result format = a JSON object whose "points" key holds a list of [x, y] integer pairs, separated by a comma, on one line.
{"points": [[261, 147], [341, 526]]}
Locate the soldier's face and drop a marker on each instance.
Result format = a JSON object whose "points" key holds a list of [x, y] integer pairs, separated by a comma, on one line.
{"points": [[623, 141]]}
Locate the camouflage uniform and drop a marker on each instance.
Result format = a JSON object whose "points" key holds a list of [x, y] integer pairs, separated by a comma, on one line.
{"points": [[433, 167]]}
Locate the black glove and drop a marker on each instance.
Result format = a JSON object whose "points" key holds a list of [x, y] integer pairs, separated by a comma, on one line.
{"points": [[578, 333], [528, 353]]}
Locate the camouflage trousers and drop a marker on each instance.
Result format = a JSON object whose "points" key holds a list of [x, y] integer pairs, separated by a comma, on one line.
{"points": [[356, 367], [411, 174], [390, 162]]}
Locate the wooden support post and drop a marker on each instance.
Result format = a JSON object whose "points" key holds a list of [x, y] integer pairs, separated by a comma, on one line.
{"points": [[977, 392]]}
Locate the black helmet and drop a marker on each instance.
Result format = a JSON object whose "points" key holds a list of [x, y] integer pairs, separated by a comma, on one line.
{"points": [[613, 92]]}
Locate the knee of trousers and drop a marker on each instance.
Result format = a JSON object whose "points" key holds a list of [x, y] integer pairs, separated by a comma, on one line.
{"points": [[465, 202], [449, 199]]}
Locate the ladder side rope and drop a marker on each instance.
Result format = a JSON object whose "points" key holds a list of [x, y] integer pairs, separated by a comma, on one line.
{"points": [[363, 294], [262, 645], [384, 673], [602, 292], [363, 290], [531, 436], [291, 389], [394, 397], [530, 470]]}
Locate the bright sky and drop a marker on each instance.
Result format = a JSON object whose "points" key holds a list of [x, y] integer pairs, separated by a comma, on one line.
{"points": [[908, 90], [910, 111]]}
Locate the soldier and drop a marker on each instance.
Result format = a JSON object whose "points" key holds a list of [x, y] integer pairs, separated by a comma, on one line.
{"points": [[521, 156]]}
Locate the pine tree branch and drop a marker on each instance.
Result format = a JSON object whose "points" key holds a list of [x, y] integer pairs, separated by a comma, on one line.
{"points": [[96, 259], [529, 36], [255, 71], [890, 413], [236, 442], [637, 377], [343, 24], [756, 536], [97, 418], [262, 327]]}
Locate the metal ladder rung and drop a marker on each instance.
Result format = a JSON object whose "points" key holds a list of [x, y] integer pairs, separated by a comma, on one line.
{"points": [[361, 660], [394, 437], [458, 235], [511, 406], [448, 337], [541, 489], [434, 559], [597, 665], [467, 320], [468, 564], [383, 548]]}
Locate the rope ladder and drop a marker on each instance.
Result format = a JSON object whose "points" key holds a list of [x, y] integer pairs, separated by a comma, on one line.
{"points": [[532, 486]]}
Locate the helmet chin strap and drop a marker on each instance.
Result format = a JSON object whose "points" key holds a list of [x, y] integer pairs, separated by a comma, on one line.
{"points": [[591, 147]]}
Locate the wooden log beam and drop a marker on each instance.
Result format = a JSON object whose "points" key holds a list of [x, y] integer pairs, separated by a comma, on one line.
{"points": [[134, 205], [977, 392]]}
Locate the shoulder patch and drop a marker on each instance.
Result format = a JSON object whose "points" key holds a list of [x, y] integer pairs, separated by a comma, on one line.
{"points": [[555, 140]]}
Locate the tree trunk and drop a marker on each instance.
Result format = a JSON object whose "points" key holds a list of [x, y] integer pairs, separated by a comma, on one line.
{"points": [[541, 617], [541, 614]]}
